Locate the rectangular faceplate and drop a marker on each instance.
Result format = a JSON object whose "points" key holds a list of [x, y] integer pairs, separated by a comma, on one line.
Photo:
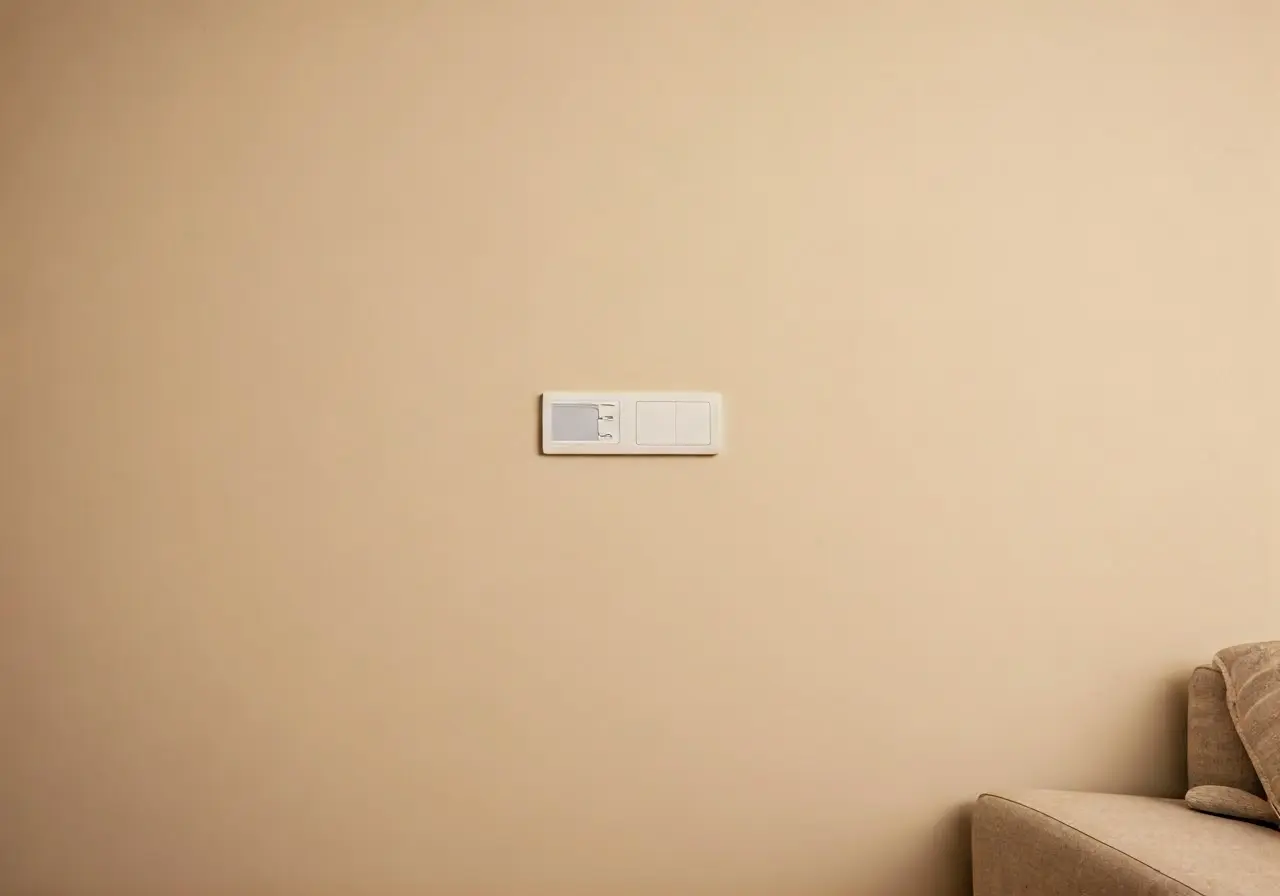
{"points": [[632, 422]]}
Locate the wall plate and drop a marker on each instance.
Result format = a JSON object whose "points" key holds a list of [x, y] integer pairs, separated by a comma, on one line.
{"points": [[632, 422]]}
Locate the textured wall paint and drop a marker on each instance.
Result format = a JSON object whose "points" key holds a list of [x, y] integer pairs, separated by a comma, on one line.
{"points": [[291, 604]]}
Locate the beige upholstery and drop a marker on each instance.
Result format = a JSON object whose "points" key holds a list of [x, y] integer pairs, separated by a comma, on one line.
{"points": [[1215, 754], [1231, 802], [1252, 675], [1054, 843]]}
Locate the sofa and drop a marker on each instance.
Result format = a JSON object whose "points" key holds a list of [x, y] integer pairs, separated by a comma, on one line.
{"points": [[1058, 843]]}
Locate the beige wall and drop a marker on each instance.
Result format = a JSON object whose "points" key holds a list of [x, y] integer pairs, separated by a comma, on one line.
{"points": [[292, 605]]}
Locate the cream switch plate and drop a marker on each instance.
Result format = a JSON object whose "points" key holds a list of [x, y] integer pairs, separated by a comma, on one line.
{"points": [[631, 422]]}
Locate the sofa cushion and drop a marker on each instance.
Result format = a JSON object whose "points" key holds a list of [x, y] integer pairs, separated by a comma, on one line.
{"points": [[1215, 754], [1252, 674], [1218, 800], [1056, 843]]}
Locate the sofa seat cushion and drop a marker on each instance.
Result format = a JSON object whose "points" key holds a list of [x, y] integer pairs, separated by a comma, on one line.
{"points": [[1058, 843]]}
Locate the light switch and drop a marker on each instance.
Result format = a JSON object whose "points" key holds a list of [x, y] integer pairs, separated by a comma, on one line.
{"points": [[655, 423], [693, 423], [608, 422]]}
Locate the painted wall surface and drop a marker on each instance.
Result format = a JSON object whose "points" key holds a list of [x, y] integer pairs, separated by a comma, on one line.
{"points": [[292, 605]]}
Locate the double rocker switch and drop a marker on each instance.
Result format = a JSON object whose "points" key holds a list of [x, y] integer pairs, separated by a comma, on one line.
{"points": [[631, 423]]}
